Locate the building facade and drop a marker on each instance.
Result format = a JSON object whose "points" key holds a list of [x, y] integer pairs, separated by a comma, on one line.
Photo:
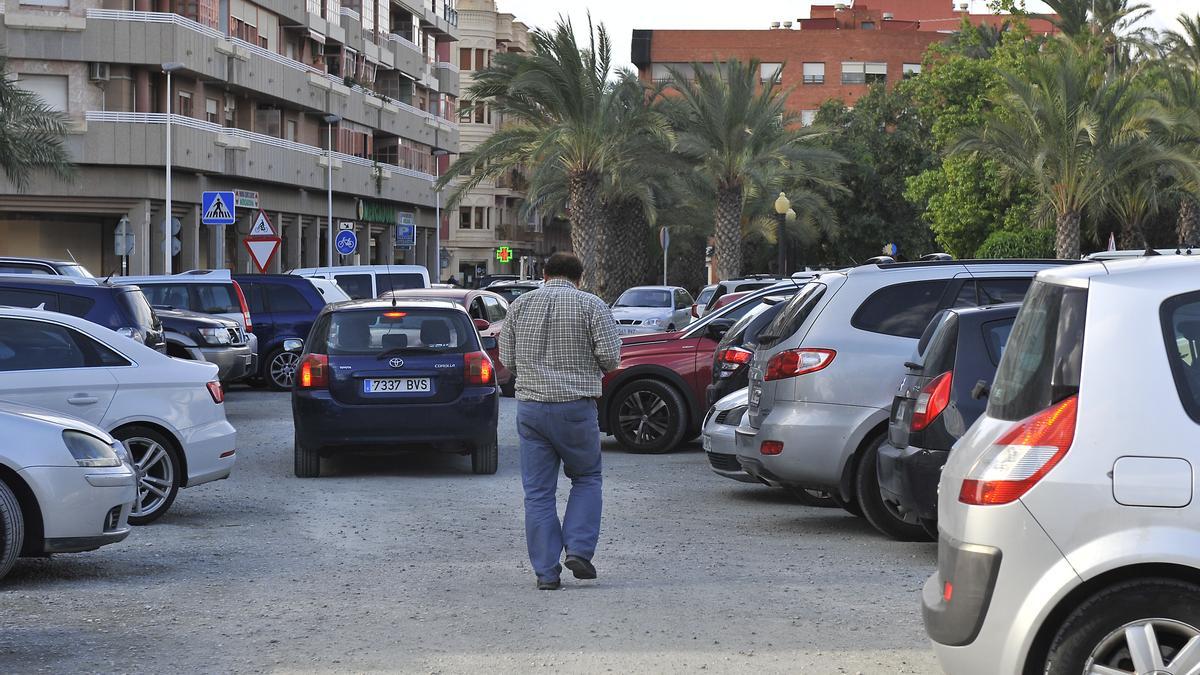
{"points": [[259, 91], [487, 233]]}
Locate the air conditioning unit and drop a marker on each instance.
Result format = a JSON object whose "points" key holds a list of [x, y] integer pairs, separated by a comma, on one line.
{"points": [[888, 16], [98, 72], [774, 25], [964, 6], [787, 25]]}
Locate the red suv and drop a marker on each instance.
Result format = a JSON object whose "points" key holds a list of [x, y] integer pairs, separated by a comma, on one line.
{"points": [[655, 399]]}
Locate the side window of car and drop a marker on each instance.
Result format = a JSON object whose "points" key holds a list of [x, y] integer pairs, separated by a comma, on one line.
{"points": [[18, 268], [967, 296], [256, 298], [20, 297], [903, 310], [1000, 291], [75, 305], [1181, 330], [357, 286], [682, 299], [26, 344], [284, 298], [477, 310], [495, 309], [995, 336]]}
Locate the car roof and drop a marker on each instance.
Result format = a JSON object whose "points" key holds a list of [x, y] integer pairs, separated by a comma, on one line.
{"points": [[400, 303], [654, 288], [61, 282], [1166, 273], [986, 312], [49, 261], [357, 268], [435, 293]]}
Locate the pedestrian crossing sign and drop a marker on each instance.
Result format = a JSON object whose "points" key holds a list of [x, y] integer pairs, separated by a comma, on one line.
{"points": [[217, 208]]}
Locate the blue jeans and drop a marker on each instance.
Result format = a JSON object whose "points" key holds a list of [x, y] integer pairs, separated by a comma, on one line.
{"points": [[552, 433]]}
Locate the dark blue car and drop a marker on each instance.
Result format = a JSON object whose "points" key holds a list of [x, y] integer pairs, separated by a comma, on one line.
{"points": [[414, 375], [282, 307]]}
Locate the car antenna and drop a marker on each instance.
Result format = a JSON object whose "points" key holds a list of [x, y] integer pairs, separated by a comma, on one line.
{"points": [[72, 257], [387, 265]]}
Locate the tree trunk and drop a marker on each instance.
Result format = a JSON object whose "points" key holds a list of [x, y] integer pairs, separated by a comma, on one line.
{"points": [[627, 255], [1066, 239], [1132, 237], [587, 215], [729, 232], [1189, 222]]}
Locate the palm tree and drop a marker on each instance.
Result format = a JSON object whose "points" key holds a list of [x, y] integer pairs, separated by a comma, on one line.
{"points": [[1182, 96], [1075, 129], [743, 141], [564, 111], [1184, 44], [31, 135]]}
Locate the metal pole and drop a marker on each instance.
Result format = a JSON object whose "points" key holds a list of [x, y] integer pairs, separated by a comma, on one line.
{"points": [[781, 260], [167, 217], [437, 221], [664, 266], [329, 213]]}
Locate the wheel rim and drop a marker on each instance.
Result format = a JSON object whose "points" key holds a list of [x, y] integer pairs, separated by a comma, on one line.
{"points": [[1147, 647], [156, 474], [283, 368], [644, 417]]}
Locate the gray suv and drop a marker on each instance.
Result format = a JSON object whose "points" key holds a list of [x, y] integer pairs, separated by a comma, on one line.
{"points": [[827, 367]]}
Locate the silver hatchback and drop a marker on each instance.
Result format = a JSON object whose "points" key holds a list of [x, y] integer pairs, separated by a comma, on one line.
{"points": [[1069, 535]]}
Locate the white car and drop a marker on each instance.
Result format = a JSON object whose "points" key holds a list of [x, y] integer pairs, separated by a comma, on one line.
{"points": [[370, 281], [652, 309], [720, 442], [65, 485], [167, 412]]}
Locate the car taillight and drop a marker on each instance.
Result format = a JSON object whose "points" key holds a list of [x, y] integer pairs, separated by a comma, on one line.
{"points": [[771, 448], [733, 357], [932, 400], [795, 362], [478, 369], [1021, 457], [314, 371], [245, 308], [216, 391]]}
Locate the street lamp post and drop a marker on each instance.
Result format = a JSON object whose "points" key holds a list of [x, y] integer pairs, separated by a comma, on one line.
{"points": [[330, 120], [438, 154], [168, 68], [782, 206]]}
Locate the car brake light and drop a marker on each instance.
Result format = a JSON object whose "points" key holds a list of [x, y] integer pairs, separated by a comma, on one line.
{"points": [[1022, 456], [794, 362], [217, 393], [245, 308], [771, 448], [478, 369], [932, 400], [736, 356], [314, 371]]}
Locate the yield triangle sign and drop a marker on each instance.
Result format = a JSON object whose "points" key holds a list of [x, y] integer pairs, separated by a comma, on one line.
{"points": [[262, 226], [262, 250]]}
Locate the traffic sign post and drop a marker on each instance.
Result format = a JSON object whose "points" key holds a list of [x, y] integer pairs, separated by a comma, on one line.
{"points": [[262, 242], [664, 238], [346, 242], [218, 208]]}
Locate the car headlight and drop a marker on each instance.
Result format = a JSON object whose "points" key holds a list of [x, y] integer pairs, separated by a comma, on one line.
{"points": [[215, 336], [90, 451], [652, 322], [122, 453], [133, 334]]}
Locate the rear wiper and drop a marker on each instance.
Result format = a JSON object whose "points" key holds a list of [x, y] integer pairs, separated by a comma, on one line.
{"points": [[403, 350], [913, 366]]}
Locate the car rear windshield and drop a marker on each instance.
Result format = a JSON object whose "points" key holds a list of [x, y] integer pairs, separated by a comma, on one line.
{"points": [[793, 315], [1042, 361], [378, 332], [644, 297], [943, 345], [138, 309]]}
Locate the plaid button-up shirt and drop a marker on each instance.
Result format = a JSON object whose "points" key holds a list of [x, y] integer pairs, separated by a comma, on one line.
{"points": [[559, 341]]}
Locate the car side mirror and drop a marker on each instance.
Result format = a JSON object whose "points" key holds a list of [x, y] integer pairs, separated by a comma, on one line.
{"points": [[482, 324], [293, 345], [718, 328], [981, 390], [490, 343]]}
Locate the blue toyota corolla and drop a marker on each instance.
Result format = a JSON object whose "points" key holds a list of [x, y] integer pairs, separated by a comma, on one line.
{"points": [[412, 376]]}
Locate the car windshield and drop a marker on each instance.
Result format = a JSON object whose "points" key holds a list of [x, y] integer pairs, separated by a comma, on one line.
{"points": [[1042, 362], [644, 297], [395, 331], [74, 270], [793, 315], [705, 295]]}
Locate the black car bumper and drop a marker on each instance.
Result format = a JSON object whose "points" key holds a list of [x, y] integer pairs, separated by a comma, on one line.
{"points": [[909, 478], [955, 600], [81, 544]]}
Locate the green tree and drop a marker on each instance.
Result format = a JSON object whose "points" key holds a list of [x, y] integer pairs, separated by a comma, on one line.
{"points": [[1180, 87], [564, 110], [744, 143], [31, 135]]}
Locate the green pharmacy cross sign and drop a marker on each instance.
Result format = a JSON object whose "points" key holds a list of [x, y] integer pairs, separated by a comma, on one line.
{"points": [[504, 254]]}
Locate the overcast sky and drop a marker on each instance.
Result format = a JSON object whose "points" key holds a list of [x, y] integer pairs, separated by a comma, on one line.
{"points": [[622, 16]]}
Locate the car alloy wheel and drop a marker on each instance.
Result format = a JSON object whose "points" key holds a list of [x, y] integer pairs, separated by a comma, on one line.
{"points": [[648, 416], [156, 476], [1145, 647], [282, 369], [644, 417]]}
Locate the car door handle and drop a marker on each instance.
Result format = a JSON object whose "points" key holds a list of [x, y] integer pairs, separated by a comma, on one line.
{"points": [[82, 399]]}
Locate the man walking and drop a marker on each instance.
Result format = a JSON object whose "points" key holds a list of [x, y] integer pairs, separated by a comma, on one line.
{"points": [[559, 342]]}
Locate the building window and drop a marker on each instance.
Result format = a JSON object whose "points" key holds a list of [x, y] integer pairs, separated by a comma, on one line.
{"points": [[211, 106], [853, 72], [464, 111], [480, 112], [479, 59], [876, 72], [770, 72], [814, 73], [464, 58], [867, 25], [464, 218], [291, 131], [807, 117], [911, 69], [185, 104], [314, 7], [52, 89], [481, 218]]}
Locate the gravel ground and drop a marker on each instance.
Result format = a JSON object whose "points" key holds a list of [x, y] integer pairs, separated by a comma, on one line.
{"points": [[412, 564]]}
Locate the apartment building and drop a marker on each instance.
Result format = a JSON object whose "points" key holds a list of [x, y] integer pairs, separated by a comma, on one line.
{"points": [[486, 233], [259, 91], [838, 52]]}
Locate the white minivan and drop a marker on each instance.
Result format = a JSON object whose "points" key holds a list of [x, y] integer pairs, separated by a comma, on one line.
{"points": [[370, 281]]}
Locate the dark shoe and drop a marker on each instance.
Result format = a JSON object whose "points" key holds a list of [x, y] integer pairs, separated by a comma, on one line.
{"points": [[582, 569], [549, 585]]}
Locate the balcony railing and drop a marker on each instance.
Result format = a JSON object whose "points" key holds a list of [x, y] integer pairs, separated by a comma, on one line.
{"points": [[275, 57], [448, 66], [262, 139], [394, 37], [346, 11], [155, 17]]}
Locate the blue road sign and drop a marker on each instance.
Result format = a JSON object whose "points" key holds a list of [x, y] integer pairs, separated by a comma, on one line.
{"points": [[345, 242], [217, 208], [406, 235]]}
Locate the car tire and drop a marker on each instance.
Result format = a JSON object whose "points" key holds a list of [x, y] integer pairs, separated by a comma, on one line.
{"points": [[809, 497], [931, 528], [280, 368], [307, 460], [1094, 631], [12, 529], [850, 507], [485, 459], [638, 400], [878, 512], [158, 468]]}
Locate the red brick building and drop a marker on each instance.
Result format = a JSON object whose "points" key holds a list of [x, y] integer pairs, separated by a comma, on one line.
{"points": [[838, 52]]}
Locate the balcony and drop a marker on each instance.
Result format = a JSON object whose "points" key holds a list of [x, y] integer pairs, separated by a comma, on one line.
{"points": [[136, 139], [447, 76]]}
